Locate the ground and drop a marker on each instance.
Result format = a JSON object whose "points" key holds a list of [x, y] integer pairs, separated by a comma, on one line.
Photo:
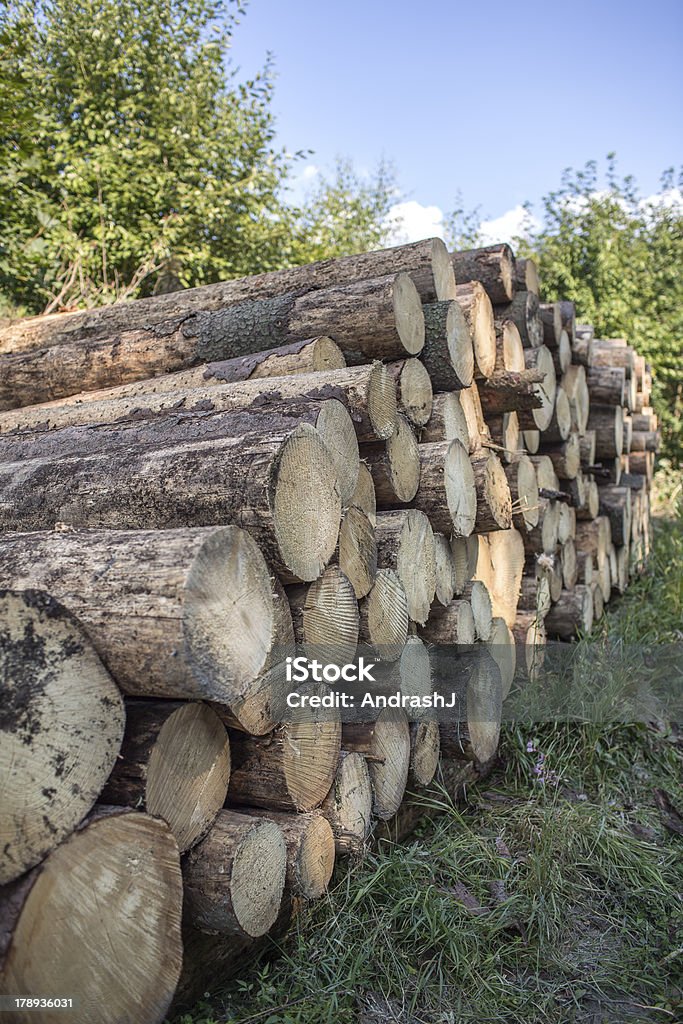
{"points": [[552, 894]]}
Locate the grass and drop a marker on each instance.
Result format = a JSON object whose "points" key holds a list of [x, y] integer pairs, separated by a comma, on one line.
{"points": [[553, 895]]}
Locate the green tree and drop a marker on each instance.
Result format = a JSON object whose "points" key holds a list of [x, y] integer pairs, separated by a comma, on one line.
{"points": [[136, 157], [619, 257], [135, 161]]}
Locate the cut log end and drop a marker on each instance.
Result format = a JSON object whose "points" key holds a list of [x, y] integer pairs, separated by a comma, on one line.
{"points": [[61, 726], [329, 618], [235, 878], [358, 550], [416, 393], [384, 616], [336, 429], [114, 885], [306, 504], [387, 742], [348, 805], [408, 314], [381, 398], [460, 489], [424, 751], [176, 759]]}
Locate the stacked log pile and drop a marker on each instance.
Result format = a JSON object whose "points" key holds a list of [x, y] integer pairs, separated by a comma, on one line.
{"points": [[405, 450]]}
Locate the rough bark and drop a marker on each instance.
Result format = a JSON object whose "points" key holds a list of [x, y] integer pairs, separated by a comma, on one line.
{"points": [[523, 310], [541, 360], [492, 266], [234, 879], [380, 317], [427, 262], [572, 614], [61, 723], [165, 610], [606, 384], [566, 457], [301, 357], [526, 276], [615, 504], [551, 320], [281, 487], [494, 505], [508, 391], [451, 625], [608, 423]]}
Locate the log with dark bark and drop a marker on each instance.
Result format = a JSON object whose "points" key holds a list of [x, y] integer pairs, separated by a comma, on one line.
{"points": [[379, 317], [348, 805], [492, 266], [427, 262], [511, 391], [325, 617], [568, 318], [61, 726], [386, 743], [566, 457], [234, 879], [524, 311], [174, 764], [608, 423], [308, 356], [450, 625], [606, 384], [448, 352], [292, 768], [221, 412], [494, 505], [58, 919], [615, 504], [611, 353], [282, 487], [478, 311], [551, 320], [405, 542], [572, 614], [165, 610]]}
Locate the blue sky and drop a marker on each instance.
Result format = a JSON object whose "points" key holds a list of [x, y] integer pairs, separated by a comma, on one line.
{"points": [[490, 99]]}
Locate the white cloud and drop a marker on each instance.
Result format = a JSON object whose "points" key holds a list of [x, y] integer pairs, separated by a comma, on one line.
{"points": [[410, 221], [513, 223], [310, 171], [670, 199]]}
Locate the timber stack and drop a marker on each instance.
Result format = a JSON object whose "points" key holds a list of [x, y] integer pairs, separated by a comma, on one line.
{"points": [[405, 450]]}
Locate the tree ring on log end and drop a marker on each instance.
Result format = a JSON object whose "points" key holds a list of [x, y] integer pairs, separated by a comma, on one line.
{"points": [[306, 503], [335, 427], [382, 405], [258, 877], [408, 314], [461, 494]]}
